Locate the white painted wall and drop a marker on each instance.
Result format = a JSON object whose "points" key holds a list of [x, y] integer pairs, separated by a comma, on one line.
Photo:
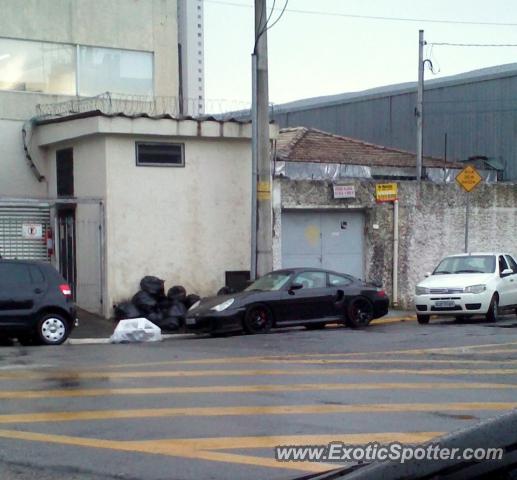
{"points": [[186, 225], [16, 178]]}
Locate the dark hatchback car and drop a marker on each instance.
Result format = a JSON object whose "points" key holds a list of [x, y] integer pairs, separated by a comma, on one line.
{"points": [[291, 297], [36, 303]]}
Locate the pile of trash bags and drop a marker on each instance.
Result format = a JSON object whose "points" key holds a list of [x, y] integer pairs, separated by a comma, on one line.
{"points": [[167, 311]]}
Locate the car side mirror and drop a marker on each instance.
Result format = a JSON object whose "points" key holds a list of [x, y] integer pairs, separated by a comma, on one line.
{"points": [[295, 286], [506, 272], [427, 274]]}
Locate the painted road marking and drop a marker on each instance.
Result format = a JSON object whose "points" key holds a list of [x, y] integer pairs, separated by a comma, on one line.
{"points": [[297, 387], [209, 448], [16, 418], [210, 361], [113, 376]]}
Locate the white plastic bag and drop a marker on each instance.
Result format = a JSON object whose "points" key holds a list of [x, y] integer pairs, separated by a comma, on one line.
{"points": [[136, 330]]}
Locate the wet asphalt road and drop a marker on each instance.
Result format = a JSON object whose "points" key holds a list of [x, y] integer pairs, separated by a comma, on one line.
{"points": [[214, 408]]}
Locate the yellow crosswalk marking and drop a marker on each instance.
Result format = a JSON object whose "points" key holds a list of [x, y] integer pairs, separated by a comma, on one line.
{"points": [[114, 375], [248, 410], [210, 448], [296, 387], [257, 358]]}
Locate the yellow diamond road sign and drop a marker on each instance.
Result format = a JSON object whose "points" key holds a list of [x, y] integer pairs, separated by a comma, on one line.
{"points": [[469, 178]]}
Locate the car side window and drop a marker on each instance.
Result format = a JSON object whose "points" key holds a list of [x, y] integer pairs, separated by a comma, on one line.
{"points": [[338, 280], [502, 264], [311, 279], [512, 263], [14, 274]]}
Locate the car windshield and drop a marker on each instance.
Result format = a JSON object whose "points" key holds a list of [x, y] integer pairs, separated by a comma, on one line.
{"points": [[466, 264], [270, 282]]}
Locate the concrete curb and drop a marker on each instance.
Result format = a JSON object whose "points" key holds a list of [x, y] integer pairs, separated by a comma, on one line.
{"points": [[103, 341]]}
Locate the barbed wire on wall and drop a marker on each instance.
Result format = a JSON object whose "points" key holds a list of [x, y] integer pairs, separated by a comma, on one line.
{"points": [[112, 103]]}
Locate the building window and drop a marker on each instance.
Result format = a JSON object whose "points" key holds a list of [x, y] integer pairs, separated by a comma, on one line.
{"points": [[37, 67], [63, 69], [160, 154], [119, 71], [65, 172]]}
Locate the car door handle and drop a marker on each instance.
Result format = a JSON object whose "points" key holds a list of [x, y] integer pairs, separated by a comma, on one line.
{"points": [[38, 290]]}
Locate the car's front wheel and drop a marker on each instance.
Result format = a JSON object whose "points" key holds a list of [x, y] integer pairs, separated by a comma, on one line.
{"points": [[493, 310], [359, 313], [53, 329], [258, 319], [422, 319]]}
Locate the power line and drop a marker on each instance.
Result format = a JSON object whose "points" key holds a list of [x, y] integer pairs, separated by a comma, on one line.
{"points": [[371, 17], [447, 44]]}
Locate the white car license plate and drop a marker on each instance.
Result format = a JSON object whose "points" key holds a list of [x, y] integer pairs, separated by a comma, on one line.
{"points": [[191, 321], [445, 303]]}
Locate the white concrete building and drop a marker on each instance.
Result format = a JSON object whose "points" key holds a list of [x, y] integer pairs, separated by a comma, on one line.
{"points": [[116, 186], [191, 54], [171, 198]]}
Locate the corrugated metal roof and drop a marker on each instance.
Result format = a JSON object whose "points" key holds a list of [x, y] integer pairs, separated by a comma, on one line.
{"points": [[474, 76]]}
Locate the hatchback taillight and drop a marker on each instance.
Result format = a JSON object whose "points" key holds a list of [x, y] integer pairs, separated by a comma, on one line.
{"points": [[65, 289], [381, 293]]}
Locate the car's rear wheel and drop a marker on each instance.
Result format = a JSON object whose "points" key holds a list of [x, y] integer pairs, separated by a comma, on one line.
{"points": [[493, 309], [53, 329], [359, 313], [258, 319], [315, 326], [423, 319]]}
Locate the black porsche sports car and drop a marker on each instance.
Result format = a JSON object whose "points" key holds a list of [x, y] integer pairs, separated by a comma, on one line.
{"points": [[290, 297]]}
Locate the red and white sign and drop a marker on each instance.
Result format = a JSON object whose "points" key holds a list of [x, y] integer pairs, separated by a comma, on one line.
{"points": [[32, 230], [344, 191]]}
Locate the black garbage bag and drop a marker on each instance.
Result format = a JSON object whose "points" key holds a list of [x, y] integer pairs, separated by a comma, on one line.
{"points": [[164, 303], [177, 309], [191, 299], [174, 317], [155, 317], [152, 285], [177, 293], [125, 310], [145, 302], [170, 324], [225, 291]]}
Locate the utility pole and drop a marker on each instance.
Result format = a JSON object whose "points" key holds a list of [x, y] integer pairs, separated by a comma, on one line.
{"points": [[419, 111], [261, 223]]}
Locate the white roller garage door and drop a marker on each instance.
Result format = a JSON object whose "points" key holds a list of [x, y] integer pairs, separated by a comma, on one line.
{"points": [[22, 232]]}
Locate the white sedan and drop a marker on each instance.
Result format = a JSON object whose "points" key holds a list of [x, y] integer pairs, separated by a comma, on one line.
{"points": [[469, 284]]}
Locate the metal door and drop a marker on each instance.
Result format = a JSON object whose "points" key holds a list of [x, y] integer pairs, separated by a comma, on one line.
{"points": [[323, 239], [66, 243]]}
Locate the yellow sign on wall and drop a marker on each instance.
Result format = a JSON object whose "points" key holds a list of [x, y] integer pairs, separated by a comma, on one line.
{"points": [[386, 192], [469, 178]]}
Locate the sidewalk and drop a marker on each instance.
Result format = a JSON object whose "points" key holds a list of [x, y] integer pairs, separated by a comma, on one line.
{"points": [[92, 325]]}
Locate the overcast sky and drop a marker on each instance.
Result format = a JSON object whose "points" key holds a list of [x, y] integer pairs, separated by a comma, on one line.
{"points": [[312, 55]]}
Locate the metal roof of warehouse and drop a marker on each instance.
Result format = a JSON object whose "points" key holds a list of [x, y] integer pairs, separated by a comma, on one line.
{"points": [[302, 144], [474, 76]]}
